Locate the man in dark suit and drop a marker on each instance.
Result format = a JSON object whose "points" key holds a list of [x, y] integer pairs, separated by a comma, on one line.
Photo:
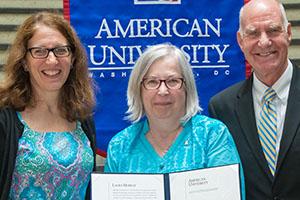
{"points": [[266, 130]]}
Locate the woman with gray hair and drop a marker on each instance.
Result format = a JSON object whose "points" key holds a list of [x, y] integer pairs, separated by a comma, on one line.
{"points": [[167, 134]]}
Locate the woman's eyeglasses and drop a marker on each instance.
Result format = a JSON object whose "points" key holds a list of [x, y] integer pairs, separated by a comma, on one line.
{"points": [[154, 83], [41, 52]]}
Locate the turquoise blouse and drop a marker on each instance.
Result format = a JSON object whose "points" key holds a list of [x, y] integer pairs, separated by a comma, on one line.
{"points": [[203, 142], [52, 165]]}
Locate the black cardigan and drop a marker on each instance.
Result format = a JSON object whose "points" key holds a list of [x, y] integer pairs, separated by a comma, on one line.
{"points": [[11, 129]]}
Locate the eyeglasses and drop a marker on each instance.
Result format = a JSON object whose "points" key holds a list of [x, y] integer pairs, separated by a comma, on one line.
{"points": [[41, 52], [154, 83]]}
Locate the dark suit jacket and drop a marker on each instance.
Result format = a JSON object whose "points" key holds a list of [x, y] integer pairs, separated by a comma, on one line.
{"points": [[234, 106]]}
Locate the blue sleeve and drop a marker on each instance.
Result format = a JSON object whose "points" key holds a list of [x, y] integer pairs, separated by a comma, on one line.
{"points": [[110, 162], [221, 150]]}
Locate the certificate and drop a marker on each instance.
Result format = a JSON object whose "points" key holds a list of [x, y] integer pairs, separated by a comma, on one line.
{"points": [[202, 184]]}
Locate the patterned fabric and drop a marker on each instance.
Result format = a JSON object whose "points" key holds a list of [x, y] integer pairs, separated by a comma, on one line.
{"points": [[52, 165], [203, 142], [267, 128]]}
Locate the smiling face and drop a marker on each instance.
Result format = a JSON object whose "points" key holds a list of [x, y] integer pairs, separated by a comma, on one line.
{"points": [[47, 74], [264, 40], [164, 103]]}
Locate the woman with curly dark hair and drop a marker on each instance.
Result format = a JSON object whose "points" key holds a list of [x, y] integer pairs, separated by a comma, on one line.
{"points": [[47, 135]]}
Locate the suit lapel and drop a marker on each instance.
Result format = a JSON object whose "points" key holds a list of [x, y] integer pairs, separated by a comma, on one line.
{"points": [[246, 116], [292, 119]]}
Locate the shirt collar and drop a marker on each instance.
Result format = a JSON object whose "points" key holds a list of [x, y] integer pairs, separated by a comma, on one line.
{"points": [[281, 86]]}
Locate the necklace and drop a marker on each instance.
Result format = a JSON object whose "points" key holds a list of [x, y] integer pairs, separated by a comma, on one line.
{"points": [[159, 148]]}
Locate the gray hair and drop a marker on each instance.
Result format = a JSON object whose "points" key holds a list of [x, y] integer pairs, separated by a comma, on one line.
{"points": [[153, 53], [282, 11]]}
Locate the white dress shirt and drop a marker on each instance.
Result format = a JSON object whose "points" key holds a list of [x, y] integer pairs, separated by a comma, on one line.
{"points": [[282, 88]]}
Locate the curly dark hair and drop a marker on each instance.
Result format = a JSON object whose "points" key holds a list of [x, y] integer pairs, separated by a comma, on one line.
{"points": [[76, 98]]}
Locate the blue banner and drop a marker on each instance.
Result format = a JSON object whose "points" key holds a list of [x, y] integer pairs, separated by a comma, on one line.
{"points": [[115, 33]]}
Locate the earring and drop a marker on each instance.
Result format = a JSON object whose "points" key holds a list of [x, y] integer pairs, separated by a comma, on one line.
{"points": [[25, 67]]}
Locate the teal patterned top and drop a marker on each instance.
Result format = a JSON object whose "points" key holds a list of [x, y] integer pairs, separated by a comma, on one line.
{"points": [[203, 142], [52, 165]]}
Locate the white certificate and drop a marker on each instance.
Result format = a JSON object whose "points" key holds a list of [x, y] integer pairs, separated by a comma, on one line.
{"points": [[219, 183], [127, 187], [203, 184]]}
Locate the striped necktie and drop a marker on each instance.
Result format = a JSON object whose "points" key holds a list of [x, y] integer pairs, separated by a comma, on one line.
{"points": [[267, 129]]}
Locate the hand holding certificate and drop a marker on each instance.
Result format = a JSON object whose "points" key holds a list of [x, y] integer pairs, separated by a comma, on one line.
{"points": [[203, 184]]}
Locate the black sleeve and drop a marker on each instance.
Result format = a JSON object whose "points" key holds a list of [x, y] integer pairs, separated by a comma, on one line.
{"points": [[10, 131], [211, 110], [88, 127]]}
